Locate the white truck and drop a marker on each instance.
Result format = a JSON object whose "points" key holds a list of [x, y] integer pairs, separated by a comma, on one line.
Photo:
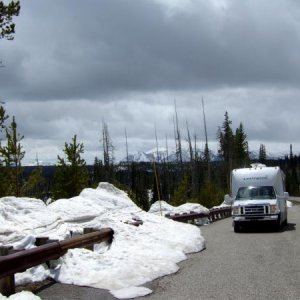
{"points": [[258, 195]]}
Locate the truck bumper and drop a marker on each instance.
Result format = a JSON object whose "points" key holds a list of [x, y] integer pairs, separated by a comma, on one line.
{"points": [[255, 218]]}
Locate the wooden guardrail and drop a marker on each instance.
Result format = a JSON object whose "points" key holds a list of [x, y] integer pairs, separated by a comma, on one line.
{"points": [[25, 259], [213, 215], [219, 213]]}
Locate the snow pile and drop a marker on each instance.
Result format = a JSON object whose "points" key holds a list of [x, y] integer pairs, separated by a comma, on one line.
{"points": [[138, 254], [165, 208], [161, 208], [21, 219], [21, 296]]}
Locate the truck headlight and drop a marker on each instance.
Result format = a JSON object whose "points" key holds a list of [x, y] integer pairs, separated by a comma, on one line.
{"points": [[274, 209], [235, 210]]}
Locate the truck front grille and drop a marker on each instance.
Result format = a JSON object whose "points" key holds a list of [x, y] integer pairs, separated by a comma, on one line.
{"points": [[255, 210]]}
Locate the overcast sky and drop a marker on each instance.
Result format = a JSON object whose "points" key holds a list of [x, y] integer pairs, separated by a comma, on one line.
{"points": [[74, 64]]}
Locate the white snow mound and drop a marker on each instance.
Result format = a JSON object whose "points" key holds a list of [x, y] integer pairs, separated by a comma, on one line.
{"points": [[164, 207], [138, 254]]}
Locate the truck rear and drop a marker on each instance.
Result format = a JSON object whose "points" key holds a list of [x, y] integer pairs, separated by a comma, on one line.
{"points": [[258, 195]]}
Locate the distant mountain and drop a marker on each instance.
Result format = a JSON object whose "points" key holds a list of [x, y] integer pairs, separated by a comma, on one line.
{"points": [[162, 155], [147, 156], [254, 155]]}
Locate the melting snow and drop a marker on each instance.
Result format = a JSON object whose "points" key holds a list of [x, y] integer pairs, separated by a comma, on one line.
{"points": [[137, 254]]}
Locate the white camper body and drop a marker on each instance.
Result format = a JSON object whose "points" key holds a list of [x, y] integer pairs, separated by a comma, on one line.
{"points": [[258, 195]]}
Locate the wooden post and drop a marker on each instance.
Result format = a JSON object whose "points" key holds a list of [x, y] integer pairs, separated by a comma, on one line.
{"points": [[7, 284], [41, 240], [89, 230]]}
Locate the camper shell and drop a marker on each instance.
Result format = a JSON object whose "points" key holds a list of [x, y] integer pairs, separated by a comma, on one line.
{"points": [[258, 195]]}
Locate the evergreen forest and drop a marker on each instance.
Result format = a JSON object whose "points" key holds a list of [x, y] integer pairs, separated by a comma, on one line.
{"points": [[198, 179]]}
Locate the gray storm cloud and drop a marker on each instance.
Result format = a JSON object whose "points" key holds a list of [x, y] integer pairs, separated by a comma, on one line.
{"points": [[107, 47], [74, 64]]}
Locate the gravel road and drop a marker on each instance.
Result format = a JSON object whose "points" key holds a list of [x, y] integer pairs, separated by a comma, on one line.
{"points": [[256, 264]]}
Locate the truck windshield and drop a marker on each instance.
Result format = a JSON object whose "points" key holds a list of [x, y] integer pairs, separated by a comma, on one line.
{"points": [[256, 193]]}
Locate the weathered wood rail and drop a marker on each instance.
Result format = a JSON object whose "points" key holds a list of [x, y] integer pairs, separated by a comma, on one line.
{"points": [[213, 215], [19, 261]]}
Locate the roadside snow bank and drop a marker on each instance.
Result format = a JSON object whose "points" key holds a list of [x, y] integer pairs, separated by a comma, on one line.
{"points": [[21, 296], [166, 208], [136, 255], [163, 208]]}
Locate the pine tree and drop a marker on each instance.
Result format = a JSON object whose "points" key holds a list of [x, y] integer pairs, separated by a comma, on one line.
{"points": [[262, 156], [232, 148], [98, 171], [12, 155], [3, 117], [183, 193], [292, 182], [7, 27], [35, 186], [226, 147], [226, 140], [210, 195], [4, 176], [241, 148], [71, 174]]}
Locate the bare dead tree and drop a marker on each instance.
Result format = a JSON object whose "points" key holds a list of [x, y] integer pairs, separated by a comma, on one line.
{"points": [[192, 160], [127, 155], [128, 177], [189, 142], [108, 151], [158, 158], [177, 137], [206, 149], [167, 150], [166, 161]]}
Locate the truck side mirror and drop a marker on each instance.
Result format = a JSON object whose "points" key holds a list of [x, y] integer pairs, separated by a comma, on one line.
{"points": [[228, 200]]}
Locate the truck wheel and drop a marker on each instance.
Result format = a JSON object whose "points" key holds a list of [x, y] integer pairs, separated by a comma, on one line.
{"points": [[285, 222], [237, 228], [277, 224]]}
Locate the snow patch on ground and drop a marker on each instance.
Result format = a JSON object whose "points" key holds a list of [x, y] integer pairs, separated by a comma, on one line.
{"points": [[163, 208], [131, 292]]}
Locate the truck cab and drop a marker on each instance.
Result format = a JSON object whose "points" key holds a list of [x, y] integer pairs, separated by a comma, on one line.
{"points": [[258, 196]]}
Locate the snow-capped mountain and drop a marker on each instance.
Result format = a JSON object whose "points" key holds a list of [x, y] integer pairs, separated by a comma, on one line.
{"points": [[161, 155], [147, 156]]}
